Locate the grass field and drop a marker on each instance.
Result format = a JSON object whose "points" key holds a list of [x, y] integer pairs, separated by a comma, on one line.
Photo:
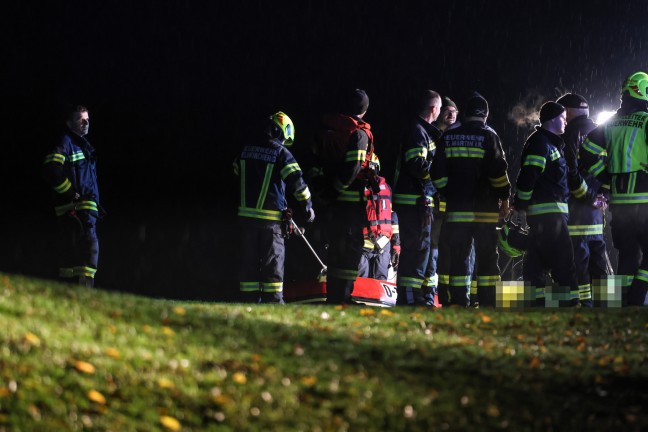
{"points": [[75, 359]]}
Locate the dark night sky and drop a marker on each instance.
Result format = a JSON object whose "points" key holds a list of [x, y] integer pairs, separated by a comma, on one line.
{"points": [[173, 88]]}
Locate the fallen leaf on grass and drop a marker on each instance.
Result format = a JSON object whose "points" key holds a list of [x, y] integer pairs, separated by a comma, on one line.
{"points": [[386, 312], [4, 392], [168, 331], [239, 378], [179, 310], [486, 318], [170, 423], [535, 362], [112, 353], [32, 339], [367, 312], [84, 367], [308, 381], [97, 397], [165, 383]]}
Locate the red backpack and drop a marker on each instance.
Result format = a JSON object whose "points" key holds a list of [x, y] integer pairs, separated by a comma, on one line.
{"points": [[331, 142]]}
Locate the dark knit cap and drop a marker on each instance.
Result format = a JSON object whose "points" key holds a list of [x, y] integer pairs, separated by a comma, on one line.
{"points": [[355, 102], [476, 106], [550, 110], [447, 102], [572, 100]]}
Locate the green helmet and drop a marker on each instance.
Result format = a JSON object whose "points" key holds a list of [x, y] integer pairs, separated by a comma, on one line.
{"points": [[512, 239], [286, 125], [637, 86]]}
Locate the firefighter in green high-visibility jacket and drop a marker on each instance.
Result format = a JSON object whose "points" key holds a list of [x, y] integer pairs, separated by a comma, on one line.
{"points": [[616, 153]]}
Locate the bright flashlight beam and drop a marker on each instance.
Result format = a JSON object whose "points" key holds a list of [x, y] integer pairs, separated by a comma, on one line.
{"points": [[603, 116]]}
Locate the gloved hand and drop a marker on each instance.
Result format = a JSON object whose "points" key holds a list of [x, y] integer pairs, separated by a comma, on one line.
{"points": [[286, 223], [395, 256], [521, 218], [600, 202], [504, 209], [310, 215]]}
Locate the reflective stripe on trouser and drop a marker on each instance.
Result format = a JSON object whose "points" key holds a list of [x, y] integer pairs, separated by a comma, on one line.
{"points": [[261, 267], [345, 250], [78, 245], [590, 262], [550, 251], [630, 237], [415, 248]]}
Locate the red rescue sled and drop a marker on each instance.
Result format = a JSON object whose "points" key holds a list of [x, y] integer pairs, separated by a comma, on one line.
{"points": [[371, 292]]}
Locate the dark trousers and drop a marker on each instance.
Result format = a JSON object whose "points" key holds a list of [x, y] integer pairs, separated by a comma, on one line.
{"points": [[79, 246], [550, 250], [457, 267], [375, 264], [630, 237], [261, 268], [345, 250], [415, 231], [591, 264]]}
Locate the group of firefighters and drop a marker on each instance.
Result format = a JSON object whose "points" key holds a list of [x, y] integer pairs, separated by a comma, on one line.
{"points": [[451, 193], [451, 182]]}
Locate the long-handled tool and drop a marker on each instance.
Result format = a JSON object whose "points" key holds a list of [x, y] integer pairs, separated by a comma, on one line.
{"points": [[300, 233]]}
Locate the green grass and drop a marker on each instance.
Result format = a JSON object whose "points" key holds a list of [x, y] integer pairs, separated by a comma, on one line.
{"points": [[77, 359]]}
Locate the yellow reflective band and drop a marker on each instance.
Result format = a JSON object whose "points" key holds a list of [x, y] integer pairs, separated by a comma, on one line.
{"points": [[486, 217], [593, 148], [66, 272], [488, 280], [272, 286], [344, 274], [464, 152], [54, 157], [460, 281], [289, 169], [535, 160], [302, 195], [63, 187], [554, 155], [499, 181], [249, 286], [545, 208], [355, 155], [77, 156], [410, 282], [85, 271], [415, 152], [79, 205], [265, 185], [524, 195], [583, 230], [581, 191], [440, 182], [444, 279], [350, 196], [272, 215]]}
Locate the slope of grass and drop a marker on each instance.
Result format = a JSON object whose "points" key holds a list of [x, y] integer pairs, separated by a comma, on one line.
{"points": [[76, 359]]}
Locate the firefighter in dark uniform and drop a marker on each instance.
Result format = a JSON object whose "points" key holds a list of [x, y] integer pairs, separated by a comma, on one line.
{"points": [[470, 171], [616, 153], [543, 188], [585, 213], [349, 138], [413, 199], [265, 170], [70, 169]]}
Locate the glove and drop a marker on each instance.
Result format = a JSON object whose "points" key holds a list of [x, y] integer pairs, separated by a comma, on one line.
{"points": [[424, 205], [521, 217], [504, 209], [600, 202], [310, 215], [395, 256], [286, 223]]}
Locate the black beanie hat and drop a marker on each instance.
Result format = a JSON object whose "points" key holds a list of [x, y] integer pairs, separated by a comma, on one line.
{"points": [[476, 106], [572, 100], [550, 110], [447, 102], [355, 102]]}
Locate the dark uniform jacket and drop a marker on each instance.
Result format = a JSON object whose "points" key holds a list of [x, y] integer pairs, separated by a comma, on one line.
{"points": [[264, 172], [71, 170], [470, 171]]}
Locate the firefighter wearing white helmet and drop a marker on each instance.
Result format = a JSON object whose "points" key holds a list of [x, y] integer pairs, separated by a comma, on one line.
{"points": [[616, 154], [266, 169]]}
